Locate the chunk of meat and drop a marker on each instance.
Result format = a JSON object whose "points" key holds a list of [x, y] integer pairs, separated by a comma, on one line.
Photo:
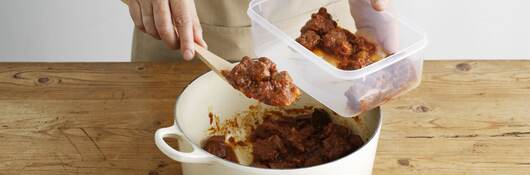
{"points": [[341, 47], [216, 145], [259, 79], [319, 119], [336, 142], [309, 39], [302, 141], [268, 149], [335, 41], [320, 22]]}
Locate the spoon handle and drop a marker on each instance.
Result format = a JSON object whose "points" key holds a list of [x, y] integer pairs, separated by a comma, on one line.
{"points": [[213, 61]]}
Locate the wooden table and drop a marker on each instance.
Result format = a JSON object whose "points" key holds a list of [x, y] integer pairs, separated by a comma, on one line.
{"points": [[467, 117]]}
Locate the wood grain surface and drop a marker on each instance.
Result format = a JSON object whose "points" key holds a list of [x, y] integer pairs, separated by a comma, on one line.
{"points": [[88, 118], [467, 117]]}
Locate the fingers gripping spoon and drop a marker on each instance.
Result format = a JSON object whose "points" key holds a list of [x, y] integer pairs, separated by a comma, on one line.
{"points": [[213, 61]]}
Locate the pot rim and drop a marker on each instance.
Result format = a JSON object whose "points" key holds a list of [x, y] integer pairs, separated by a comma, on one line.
{"points": [[250, 168]]}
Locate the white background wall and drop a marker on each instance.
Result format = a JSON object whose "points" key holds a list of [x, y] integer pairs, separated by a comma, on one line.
{"points": [[471, 29], [101, 30], [64, 30]]}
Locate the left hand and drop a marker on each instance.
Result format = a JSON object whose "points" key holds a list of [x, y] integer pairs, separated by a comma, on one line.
{"points": [[374, 25]]}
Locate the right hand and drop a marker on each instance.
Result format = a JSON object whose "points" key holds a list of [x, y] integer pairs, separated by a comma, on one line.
{"points": [[159, 18], [374, 25]]}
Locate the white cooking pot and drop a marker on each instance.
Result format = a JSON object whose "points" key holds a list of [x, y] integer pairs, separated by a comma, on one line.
{"points": [[209, 93]]}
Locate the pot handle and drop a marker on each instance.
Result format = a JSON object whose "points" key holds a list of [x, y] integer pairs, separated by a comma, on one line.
{"points": [[196, 156]]}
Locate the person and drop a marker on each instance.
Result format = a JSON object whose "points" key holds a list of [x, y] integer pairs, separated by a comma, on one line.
{"points": [[224, 27]]}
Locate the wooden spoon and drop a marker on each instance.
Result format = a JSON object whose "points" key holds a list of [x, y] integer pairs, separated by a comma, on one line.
{"points": [[213, 61]]}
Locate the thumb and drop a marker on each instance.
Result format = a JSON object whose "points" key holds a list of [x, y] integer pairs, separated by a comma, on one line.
{"points": [[379, 5]]}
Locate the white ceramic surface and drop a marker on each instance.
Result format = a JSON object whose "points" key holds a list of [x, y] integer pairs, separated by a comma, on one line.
{"points": [[209, 93]]}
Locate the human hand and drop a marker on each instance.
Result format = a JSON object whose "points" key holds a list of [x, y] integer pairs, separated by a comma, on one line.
{"points": [[173, 21], [379, 5], [375, 25]]}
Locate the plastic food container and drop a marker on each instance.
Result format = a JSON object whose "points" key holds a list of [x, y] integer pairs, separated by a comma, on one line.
{"points": [[277, 23], [192, 123]]}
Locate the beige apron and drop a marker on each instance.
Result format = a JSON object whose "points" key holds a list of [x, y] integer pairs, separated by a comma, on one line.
{"points": [[226, 30]]}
